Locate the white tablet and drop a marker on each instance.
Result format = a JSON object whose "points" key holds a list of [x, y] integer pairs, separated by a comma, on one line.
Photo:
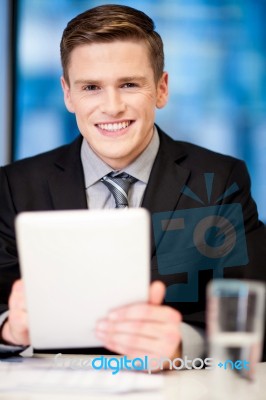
{"points": [[77, 266]]}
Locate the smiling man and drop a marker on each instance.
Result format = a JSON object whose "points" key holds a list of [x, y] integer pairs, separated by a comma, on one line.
{"points": [[113, 81]]}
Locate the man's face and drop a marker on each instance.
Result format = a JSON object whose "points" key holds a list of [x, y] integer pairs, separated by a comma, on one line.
{"points": [[113, 93]]}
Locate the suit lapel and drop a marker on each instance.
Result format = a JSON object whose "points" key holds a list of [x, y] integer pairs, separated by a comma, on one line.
{"points": [[66, 183], [167, 177], [166, 180]]}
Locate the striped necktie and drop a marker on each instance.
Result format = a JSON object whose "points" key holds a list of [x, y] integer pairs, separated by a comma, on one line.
{"points": [[119, 187]]}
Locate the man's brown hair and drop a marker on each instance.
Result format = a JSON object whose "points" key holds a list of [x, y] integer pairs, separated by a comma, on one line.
{"points": [[108, 23]]}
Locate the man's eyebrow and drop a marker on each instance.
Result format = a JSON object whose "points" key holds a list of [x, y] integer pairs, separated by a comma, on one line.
{"points": [[133, 78], [87, 82], [96, 82]]}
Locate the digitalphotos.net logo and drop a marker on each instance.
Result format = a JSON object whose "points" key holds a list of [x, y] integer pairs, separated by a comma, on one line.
{"points": [[123, 363], [196, 239]]}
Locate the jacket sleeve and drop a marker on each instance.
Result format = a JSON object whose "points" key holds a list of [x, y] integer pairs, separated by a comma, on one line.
{"points": [[9, 268], [255, 231]]}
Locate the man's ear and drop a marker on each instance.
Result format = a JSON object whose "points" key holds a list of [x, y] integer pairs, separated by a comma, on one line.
{"points": [[67, 96], [162, 91]]}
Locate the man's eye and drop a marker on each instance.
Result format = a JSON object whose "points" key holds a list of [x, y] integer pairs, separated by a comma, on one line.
{"points": [[91, 88], [129, 85]]}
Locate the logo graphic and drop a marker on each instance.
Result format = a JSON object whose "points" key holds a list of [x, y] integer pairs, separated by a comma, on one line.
{"points": [[192, 240], [145, 363], [238, 364]]}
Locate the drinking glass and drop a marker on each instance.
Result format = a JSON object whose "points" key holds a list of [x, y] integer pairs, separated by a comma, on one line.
{"points": [[235, 321]]}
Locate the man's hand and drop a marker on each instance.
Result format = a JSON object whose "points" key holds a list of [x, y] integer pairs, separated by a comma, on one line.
{"points": [[143, 329], [15, 330]]}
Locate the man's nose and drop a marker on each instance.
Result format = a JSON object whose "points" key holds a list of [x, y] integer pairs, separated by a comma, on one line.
{"points": [[112, 103]]}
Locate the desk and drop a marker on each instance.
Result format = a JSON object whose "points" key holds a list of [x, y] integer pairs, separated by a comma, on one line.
{"points": [[170, 385], [196, 385]]}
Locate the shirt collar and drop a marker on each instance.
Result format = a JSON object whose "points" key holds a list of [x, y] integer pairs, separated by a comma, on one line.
{"points": [[95, 168]]}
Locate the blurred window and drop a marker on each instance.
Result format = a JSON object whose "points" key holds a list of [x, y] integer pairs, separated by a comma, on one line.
{"points": [[215, 54]]}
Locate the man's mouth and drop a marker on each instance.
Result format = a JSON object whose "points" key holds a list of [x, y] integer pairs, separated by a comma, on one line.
{"points": [[114, 127]]}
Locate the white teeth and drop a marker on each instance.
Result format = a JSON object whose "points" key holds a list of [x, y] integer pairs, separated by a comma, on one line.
{"points": [[114, 127]]}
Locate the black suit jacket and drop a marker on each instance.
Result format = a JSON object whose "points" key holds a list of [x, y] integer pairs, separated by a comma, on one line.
{"points": [[55, 181]]}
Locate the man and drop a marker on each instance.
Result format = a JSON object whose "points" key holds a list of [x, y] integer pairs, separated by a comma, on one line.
{"points": [[113, 80]]}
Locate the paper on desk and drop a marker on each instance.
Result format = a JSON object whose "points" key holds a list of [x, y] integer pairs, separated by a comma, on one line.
{"points": [[39, 375]]}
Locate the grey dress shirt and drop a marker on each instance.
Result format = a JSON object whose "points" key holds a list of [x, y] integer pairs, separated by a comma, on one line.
{"points": [[98, 195]]}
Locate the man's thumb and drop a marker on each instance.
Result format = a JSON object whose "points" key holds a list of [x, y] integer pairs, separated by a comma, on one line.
{"points": [[157, 293]]}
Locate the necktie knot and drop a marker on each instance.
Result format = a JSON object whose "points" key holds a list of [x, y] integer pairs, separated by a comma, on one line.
{"points": [[119, 186]]}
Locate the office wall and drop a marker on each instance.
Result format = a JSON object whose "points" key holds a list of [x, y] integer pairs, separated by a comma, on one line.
{"points": [[215, 54], [4, 88]]}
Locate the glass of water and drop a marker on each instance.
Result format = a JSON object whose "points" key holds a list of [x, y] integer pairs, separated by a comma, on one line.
{"points": [[235, 320]]}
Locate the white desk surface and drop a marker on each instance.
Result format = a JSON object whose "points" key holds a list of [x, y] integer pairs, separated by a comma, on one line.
{"points": [[170, 385]]}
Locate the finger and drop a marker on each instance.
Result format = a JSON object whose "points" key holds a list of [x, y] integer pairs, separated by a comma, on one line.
{"points": [[18, 285], [16, 328], [129, 342], [18, 317], [166, 331], [134, 343], [146, 312], [17, 301], [157, 293], [17, 297]]}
